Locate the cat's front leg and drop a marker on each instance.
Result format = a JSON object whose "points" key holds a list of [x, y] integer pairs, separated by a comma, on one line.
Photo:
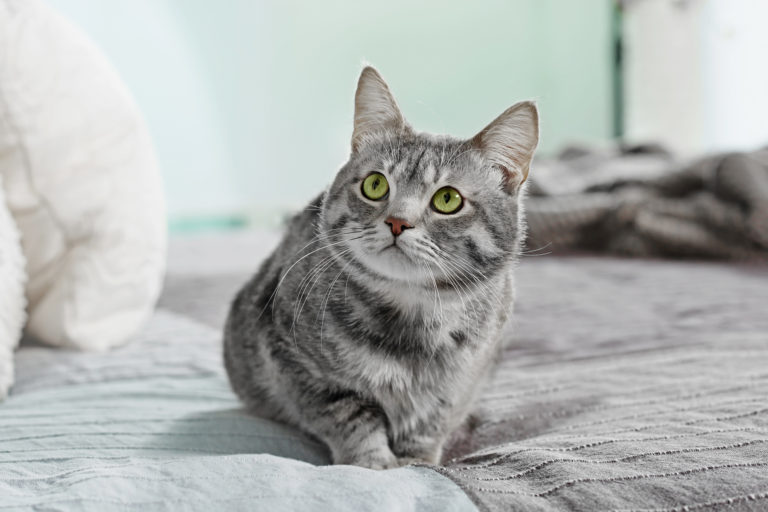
{"points": [[354, 429], [421, 439], [415, 449]]}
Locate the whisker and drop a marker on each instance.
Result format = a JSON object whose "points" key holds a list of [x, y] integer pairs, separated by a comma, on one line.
{"points": [[531, 251], [328, 296], [272, 296], [312, 277]]}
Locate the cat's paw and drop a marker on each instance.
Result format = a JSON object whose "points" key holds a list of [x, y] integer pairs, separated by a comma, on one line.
{"points": [[382, 458], [410, 461], [380, 464]]}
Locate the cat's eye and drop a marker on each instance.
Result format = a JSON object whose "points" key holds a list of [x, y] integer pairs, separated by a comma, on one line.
{"points": [[447, 200], [375, 186]]}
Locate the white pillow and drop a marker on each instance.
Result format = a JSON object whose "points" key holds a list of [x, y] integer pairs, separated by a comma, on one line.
{"points": [[81, 181], [12, 278]]}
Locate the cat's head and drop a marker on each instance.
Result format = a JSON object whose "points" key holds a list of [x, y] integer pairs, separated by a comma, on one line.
{"points": [[419, 208]]}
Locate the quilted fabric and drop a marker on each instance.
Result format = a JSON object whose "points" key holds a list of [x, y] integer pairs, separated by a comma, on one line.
{"points": [[81, 182], [12, 279]]}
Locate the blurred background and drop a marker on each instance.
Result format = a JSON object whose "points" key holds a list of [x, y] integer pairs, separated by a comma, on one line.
{"points": [[250, 102]]}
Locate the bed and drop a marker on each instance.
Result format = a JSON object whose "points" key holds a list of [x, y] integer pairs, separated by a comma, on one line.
{"points": [[625, 385]]}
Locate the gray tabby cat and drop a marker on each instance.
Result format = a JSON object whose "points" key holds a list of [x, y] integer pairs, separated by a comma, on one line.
{"points": [[372, 324]]}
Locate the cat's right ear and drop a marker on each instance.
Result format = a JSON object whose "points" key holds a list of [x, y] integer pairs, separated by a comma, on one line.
{"points": [[509, 142], [375, 108]]}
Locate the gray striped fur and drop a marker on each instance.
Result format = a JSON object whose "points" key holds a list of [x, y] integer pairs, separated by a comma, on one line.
{"points": [[376, 344]]}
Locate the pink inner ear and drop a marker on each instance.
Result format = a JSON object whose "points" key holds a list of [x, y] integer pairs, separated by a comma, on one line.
{"points": [[512, 179], [509, 142], [508, 159], [508, 175]]}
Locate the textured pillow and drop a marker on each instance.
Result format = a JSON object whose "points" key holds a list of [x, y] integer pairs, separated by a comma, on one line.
{"points": [[12, 278], [80, 180]]}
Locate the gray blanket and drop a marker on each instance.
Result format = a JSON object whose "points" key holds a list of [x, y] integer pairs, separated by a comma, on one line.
{"points": [[641, 202], [626, 384]]}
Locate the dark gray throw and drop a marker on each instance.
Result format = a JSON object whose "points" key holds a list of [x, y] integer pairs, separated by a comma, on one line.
{"points": [[641, 202]]}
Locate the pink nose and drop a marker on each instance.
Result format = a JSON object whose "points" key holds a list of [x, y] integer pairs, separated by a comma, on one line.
{"points": [[397, 225]]}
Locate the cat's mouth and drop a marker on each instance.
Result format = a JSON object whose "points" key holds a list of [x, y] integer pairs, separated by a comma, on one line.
{"points": [[393, 247], [396, 261], [397, 250]]}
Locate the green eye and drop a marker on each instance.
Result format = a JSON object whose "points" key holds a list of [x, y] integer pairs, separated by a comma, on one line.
{"points": [[447, 200], [375, 186]]}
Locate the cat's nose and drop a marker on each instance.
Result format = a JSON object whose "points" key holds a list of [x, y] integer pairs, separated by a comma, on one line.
{"points": [[397, 225]]}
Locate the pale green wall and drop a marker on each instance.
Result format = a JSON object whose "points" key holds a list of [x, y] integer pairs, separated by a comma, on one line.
{"points": [[250, 102]]}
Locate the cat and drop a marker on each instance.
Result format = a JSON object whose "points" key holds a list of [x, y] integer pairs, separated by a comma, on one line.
{"points": [[372, 324]]}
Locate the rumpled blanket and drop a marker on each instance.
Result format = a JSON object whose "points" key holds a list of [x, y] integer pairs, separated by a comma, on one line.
{"points": [[641, 202]]}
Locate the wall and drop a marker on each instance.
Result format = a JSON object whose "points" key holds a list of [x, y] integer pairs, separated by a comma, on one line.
{"points": [[695, 74], [250, 102]]}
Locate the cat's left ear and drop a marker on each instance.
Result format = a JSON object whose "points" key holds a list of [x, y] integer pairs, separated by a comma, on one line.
{"points": [[509, 142], [375, 108]]}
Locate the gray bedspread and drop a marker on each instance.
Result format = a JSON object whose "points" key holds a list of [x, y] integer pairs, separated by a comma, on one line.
{"points": [[626, 385]]}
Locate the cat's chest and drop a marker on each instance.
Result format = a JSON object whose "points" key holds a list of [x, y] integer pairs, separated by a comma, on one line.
{"points": [[410, 351], [424, 349], [420, 360], [421, 393]]}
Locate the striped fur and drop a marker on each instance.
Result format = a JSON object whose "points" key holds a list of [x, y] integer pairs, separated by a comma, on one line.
{"points": [[376, 344]]}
